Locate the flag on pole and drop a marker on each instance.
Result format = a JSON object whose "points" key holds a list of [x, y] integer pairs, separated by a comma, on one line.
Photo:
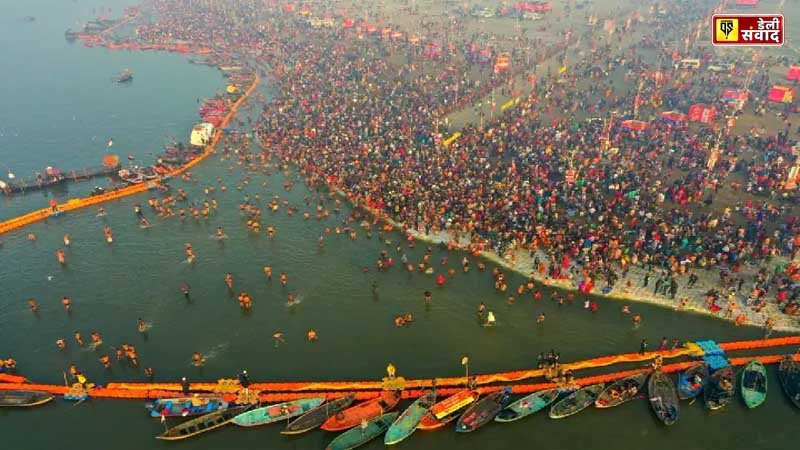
{"points": [[465, 360]]}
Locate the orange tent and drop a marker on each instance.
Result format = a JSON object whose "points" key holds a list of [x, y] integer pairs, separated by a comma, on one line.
{"points": [[502, 64]]}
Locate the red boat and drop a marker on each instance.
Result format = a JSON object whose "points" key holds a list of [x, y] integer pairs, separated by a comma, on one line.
{"points": [[353, 416]]}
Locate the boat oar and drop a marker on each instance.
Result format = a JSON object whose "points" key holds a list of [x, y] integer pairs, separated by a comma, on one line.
{"points": [[80, 401]]}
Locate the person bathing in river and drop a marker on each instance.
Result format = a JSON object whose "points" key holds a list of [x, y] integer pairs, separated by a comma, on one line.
{"points": [[197, 359]]}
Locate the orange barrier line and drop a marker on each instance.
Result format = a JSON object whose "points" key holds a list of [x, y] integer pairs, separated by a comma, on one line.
{"points": [[761, 343], [142, 394], [504, 377], [8, 378], [73, 204]]}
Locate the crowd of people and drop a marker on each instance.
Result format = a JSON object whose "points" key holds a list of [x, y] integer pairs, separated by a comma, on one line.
{"points": [[557, 178]]}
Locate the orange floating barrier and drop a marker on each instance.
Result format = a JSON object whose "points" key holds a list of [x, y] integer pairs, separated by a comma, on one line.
{"points": [[73, 204], [8, 378]]}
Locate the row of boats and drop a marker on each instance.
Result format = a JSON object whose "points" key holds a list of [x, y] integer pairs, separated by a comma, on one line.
{"points": [[366, 421], [363, 422]]}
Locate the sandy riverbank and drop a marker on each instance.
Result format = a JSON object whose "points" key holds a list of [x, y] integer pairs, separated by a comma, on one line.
{"points": [[522, 262]]}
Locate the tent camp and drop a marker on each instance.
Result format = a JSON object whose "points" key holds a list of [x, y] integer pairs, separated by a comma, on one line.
{"points": [[781, 94], [735, 97], [793, 74], [532, 6], [702, 113]]}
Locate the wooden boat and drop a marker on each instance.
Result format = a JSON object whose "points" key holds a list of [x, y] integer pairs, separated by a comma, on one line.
{"points": [[185, 406], [719, 390], [663, 397], [621, 391], [315, 417], [274, 413], [408, 421], [202, 424], [447, 410], [692, 380], [363, 434], [576, 402], [754, 384], [483, 411], [789, 374], [23, 399], [527, 405], [353, 416]]}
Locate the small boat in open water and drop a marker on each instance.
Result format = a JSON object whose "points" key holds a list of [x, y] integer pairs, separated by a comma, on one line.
{"points": [[754, 384], [789, 374], [621, 392], [317, 416], [202, 424], [23, 399], [528, 405], [663, 397], [691, 381], [275, 413], [125, 76], [576, 402], [363, 434]]}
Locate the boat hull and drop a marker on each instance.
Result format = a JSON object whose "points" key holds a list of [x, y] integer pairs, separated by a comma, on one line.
{"points": [[23, 399], [482, 412], [621, 392], [317, 416], [528, 405], [408, 421], [754, 384], [353, 416], [576, 402], [278, 412], [663, 398], [185, 406], [359, 436]]}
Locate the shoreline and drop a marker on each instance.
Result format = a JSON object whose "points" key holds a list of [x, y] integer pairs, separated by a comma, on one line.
{"points": [[638, 293], [524, 267]]}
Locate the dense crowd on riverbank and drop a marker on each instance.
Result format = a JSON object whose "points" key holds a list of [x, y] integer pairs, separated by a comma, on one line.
{"points": [[364, 113]]}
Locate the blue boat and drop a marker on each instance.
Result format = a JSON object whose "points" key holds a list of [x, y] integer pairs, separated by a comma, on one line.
{"points": [[692, 380], [185, 406]]}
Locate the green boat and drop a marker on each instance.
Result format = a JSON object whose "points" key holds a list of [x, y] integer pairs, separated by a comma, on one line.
{"points": [[576, 402], [408, 421], [274, 413], [527, 405], [360, 435], [754, 384]]}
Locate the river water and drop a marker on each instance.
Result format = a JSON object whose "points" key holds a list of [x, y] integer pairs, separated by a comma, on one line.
{"points": [[140, 274]]}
